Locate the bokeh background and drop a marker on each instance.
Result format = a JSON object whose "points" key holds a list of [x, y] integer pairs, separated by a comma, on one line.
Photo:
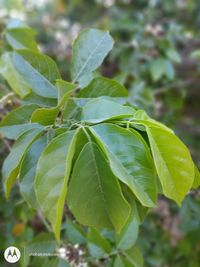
{"points": [[157, 57]]}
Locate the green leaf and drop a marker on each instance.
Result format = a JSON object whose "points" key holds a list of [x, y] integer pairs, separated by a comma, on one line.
{"points": [[11, 165], [28, 170], [24, 77], [140, 117], [134, 257], [17, 121], [99, 110], [173, 55], [129, 258], [33, 98], [71, 111], [128, 236], [101, 86], [20, 36], [51, 179], [169, 70], [157, 69], [42, 63], [98, 246], [45, 116], [130, 160], [88, 52], [42, 243], [75, 233], [119, 262], [196, 182], [64, 90], [87, 78], [173, 163], [94, 199]]}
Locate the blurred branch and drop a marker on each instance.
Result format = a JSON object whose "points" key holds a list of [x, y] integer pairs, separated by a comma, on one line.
{"points": [[168, 87], [5, 99]]}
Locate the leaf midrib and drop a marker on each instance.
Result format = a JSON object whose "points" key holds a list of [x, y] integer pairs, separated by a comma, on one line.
{"points": [[99, 182], [88, 59]]}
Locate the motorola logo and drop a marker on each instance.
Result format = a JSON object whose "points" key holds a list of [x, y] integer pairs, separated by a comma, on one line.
{"points": [[12, 254]]}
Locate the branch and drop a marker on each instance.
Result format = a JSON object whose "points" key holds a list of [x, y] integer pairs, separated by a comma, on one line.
{"points": [[168, 87]]}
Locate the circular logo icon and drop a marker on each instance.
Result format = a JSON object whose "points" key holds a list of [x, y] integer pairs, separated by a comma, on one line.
{"points": [[12, 254]]}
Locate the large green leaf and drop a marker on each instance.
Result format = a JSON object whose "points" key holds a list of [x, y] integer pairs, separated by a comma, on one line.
{"points": [[11, 165], [99, 110], [26, 76], [130, 160], [18, 35], [173, 162], [42, 63], [51, 179], [94, 195], [102, 86], [89, 49], [28, 170], [17, 121]]}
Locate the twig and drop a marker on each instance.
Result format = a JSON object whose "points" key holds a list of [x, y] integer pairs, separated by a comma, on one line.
{"points": [[5, 98], [171, 86], [6, 143]]}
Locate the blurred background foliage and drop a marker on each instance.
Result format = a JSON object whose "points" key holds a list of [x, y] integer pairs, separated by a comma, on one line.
{"points": [[157, 57]]}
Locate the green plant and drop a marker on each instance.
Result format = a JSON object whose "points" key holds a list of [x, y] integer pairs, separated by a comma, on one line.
{"points": [[83, 144]]}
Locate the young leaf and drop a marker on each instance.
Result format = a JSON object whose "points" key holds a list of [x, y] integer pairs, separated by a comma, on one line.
{"points": [[64, 90], [129, 234], [28, 170], [51, 179], [45, 116], [71, 111], [173, 162], [99, 110], [89, 50], [130, 160], [11, 165], [98, 246], [94, 195], [102, 86], [74, 232]]}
